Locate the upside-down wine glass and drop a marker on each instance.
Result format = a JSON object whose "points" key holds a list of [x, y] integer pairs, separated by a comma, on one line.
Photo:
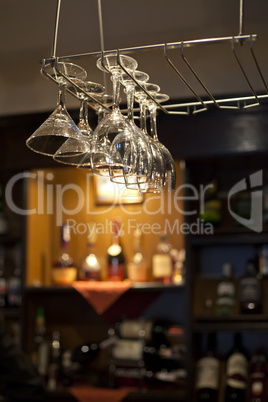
{"points": [[73, 151], [157, 172], [86, 160], [143, 167], [59, 125], [169, 165], [112, 159]]}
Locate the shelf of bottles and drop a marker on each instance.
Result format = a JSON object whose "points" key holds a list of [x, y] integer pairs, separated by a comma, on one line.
{"points": [[144, 354]]}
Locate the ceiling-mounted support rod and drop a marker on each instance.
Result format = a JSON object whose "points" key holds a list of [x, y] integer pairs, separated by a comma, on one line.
{"points": [[241, 18], [56, 28], [101, 38]]}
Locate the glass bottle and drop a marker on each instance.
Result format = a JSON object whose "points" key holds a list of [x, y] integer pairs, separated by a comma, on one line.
{"points": [[116, 258], [41, 352], [3, 218], [162, 261], [226, 291], [258, 377], [208, 370], [90, 267], [211, 210], [3, 282], [250, 295], [137, 268], [61, 275], [236, 371]]}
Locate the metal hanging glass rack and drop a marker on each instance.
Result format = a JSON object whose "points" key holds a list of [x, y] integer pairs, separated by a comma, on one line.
{"points": [[184, 108]]}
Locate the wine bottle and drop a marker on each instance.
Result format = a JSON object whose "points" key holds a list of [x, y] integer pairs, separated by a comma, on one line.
{"points": [[208, 370], [226, 291], [258, 377], [3, 282], [64, 271], [90, 267], [250, 295], [41, 352], [3, 217], [54, 366], [137, 268], [162, 262], [86, 353], [236, 371], [156, 330], [116, 258], [212, 208]]}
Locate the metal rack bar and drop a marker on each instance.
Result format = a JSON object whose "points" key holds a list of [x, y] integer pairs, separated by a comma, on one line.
{"points": [[238, 38]]}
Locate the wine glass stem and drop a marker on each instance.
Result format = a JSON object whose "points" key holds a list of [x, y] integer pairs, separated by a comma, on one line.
{"points": [[61, 94], [153, 127], [116, 89], [143, 115], [130, 101], [83, 113]]}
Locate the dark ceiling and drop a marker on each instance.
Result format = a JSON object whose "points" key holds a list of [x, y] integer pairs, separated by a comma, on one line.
{"points": [[26, 30]]}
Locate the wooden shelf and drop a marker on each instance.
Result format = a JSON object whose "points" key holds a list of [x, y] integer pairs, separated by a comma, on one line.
{"points": [[226, 237], [136, 287], [256, 322], [63, 394]]}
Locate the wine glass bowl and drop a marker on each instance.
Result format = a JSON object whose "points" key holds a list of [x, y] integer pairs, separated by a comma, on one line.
{"points": [[143, 163], [113, 134], [74, 151], [169, 165], [109, 63], [71, 70], [59, 125]]}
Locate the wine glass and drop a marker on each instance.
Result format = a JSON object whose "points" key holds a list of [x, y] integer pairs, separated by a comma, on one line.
{"points": [[73, 151], [157, 172], [59, 125], [86, 161], [169, 165], [143, 167], [108, 157]]}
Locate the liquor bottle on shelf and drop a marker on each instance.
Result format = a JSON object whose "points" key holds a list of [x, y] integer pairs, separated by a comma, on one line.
{"points": [[54, 365], [208, 372], [258, 377], [155, 330], [178, 266], [212, 209], [263, 261], [3, 218], [64, 271], [87, 352], [250, 294], [226, 291], [236, 371], [3, 282], [116, 257], [14, 288], [137, 268], [41, 352], [162, 262], [90, 267]]}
